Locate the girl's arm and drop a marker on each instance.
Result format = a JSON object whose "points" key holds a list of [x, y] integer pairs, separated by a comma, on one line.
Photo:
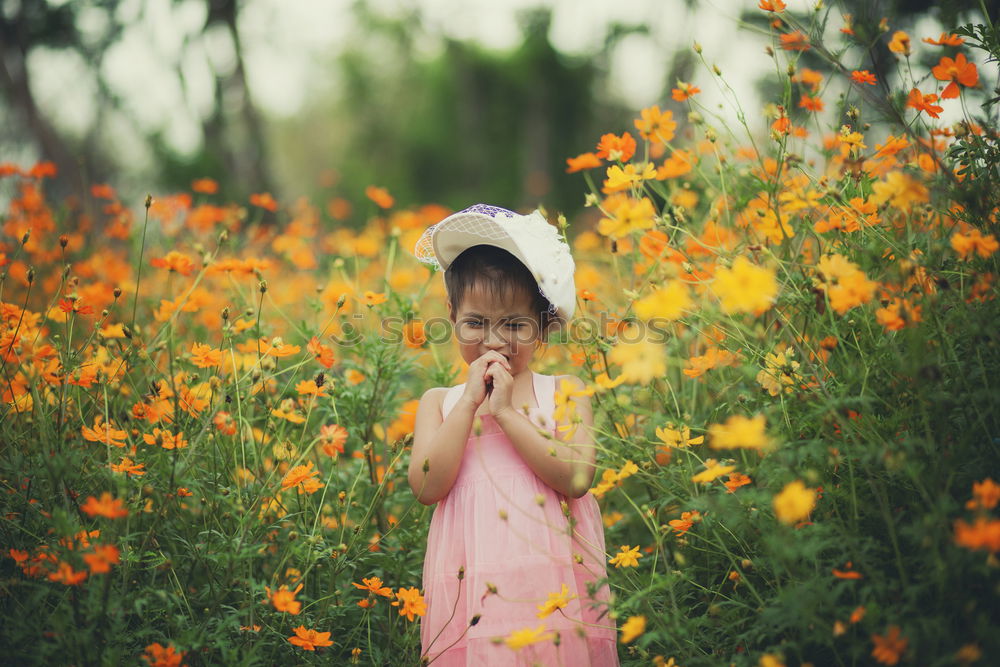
{"points": [[566, 462], [438, 444]]}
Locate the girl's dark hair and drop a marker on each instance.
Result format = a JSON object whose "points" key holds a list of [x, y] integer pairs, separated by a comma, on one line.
{"points": [[499, 272]]}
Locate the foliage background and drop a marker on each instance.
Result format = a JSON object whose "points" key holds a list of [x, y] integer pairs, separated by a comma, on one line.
{"points": [[892, 429]]}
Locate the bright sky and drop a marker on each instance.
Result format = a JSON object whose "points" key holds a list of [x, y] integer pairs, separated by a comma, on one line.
{"points": [[160, 67]]}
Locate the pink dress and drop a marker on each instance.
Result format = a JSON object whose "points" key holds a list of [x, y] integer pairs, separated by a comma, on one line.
{"points": [[524, 557]]}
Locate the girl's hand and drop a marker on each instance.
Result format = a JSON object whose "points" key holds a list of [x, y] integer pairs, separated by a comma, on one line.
{"points": [[478, 386], [503, 388]]}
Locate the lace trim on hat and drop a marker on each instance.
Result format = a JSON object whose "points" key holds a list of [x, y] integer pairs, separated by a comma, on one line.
{"points": [[559, 261]]}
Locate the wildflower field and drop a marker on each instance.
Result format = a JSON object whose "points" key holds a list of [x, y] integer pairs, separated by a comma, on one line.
{"points": [[788, 327]]}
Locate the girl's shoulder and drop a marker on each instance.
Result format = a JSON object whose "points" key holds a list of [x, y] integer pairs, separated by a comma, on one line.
{"points": [[435, 396]]}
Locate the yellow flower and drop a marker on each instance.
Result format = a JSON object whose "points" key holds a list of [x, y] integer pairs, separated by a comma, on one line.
{"points": [[641, 361], [632, 628], [745, 288], [565, 405], [779, 373], [624, 178], [668, 302], [655, 125], [626, 557], [845, 283], [739, 432], [712, 471], [555, 601], [527, 636], [770, 660], [628, 215], [794, 503], [678, 437], [901, 190], [603, 382]]}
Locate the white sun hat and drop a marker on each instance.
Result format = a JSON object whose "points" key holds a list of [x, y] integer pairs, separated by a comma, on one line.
{"points": [[530, 238]]}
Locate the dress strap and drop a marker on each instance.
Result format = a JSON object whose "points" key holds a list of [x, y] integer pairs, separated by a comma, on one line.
{"points": [[545, 392], [450, 399]]}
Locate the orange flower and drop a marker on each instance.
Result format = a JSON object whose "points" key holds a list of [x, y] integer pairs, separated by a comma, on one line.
{"points": [[332, 438], [857, 614], [174, 261], [410, 603], [302, 477], [776, 6], [945, 40], [284, 599], [898, 314], [158, 655], [102, 191], [581, 162], [128, 467], [310, 388], [323, 353], [794, 41], [225, 423], [863, 76], [810, 103], [656, 126], [985, 495], [310, 639], [205, 356], [920, 102], [380, 196], [67, 575], [111, 508], [684, 91], [165, 439], [888, 649], [278, 348], [613, 147], [974, 242], [900, 43], [782, 125], [736, 480], [684, 524], [205, 186], [413, 334], [265, 201], [957, 71], [983, 534], [72, 305], [809, 77], [847, 573], [678, 164], [375, 298], [374, 586], [107, 434], [104, 556]]}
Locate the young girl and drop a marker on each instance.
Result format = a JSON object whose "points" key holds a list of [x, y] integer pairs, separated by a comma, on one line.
{"points": [[515, 562]]}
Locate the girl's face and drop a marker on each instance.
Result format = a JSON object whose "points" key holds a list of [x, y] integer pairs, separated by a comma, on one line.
{"points": [[484, 323]]}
